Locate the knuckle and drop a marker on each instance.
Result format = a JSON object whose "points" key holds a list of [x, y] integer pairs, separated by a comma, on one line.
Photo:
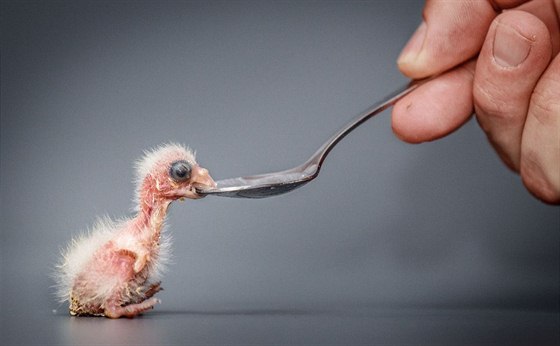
{"points": [[491, 102], [545, 102], [538, 180]]}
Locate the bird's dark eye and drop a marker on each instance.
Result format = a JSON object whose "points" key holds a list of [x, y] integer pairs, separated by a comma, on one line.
{"points": [[180, 171]]}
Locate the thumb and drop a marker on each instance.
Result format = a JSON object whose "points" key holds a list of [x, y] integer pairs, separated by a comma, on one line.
{"points": [[451, 32]]}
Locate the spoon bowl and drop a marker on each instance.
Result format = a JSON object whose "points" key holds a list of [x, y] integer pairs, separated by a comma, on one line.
{"points": [[264, 185]]}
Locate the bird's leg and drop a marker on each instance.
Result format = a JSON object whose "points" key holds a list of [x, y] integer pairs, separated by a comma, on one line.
{"points": [[155, 288], [115, 311]]}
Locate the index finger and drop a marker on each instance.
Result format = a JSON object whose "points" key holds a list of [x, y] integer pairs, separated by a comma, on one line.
{"points": [[437, 107], [451, 33]]}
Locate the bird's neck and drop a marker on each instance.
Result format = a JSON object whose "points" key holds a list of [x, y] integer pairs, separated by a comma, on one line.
{"points": [[151, 220], [152, 210]]}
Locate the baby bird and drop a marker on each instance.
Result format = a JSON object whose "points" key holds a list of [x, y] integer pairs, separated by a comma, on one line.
{"points": [[115, 270]]}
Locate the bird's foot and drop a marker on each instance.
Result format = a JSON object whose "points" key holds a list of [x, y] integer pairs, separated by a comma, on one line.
{"points": [[131, 310]]}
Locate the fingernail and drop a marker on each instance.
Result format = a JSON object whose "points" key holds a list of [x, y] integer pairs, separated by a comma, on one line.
{"points": [[510, 47], [414, 45]]}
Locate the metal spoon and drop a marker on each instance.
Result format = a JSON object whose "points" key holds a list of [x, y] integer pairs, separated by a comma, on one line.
{"points": [[277, 183]]}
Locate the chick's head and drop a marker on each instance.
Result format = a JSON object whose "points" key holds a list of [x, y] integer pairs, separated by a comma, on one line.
{"points": [[170, 172]]}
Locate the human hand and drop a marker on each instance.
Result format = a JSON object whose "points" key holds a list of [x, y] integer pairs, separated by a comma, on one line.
{"points": [[513, 84]]}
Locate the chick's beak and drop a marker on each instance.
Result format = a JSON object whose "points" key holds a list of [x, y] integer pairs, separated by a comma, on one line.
{"points": [[200, 178]]}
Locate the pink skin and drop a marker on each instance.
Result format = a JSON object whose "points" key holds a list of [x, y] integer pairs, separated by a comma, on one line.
{"points": [[123, 265]]}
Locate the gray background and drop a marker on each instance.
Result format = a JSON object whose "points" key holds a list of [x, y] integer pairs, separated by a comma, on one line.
{"points": [[393, 243]]}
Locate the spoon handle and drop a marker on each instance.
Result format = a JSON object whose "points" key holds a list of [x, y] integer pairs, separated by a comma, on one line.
{"points": [[390, 100]]}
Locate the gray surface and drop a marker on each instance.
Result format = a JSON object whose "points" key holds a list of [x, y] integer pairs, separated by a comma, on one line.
{"points": [[357, 326], [393, 243]]}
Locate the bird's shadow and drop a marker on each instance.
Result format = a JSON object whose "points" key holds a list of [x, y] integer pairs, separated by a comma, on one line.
{"points": [[239, 312]]}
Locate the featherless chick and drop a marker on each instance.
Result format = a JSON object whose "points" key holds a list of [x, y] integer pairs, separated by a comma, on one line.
{"points": [[115, 270]]}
